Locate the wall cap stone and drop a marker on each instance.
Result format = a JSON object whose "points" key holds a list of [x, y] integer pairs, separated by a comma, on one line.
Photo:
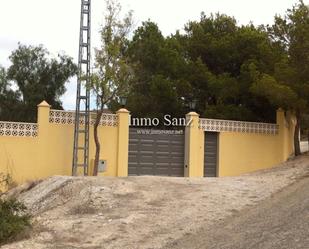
{"points": [[122, 110], [193, 114], [44, 104]]}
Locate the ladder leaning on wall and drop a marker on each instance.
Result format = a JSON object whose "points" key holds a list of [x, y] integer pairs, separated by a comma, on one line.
{"points": [[82, 114]]}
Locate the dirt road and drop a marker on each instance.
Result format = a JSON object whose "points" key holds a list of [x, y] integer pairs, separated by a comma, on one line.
{"points": [[147, 212], [280, 222]]}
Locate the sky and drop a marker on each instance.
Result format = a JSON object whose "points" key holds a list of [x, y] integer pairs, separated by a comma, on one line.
{"points": [[55, 23]]}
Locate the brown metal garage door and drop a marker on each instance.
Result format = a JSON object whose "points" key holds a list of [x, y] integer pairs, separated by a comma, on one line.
{"points": [[156, 153], [211, 154]]}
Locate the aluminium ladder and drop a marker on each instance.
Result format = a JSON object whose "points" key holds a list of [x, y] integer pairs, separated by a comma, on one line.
{"points": [[82, 114]]}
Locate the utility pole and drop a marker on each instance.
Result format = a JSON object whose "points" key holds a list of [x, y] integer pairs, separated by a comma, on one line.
{"points": [[82, 113]]}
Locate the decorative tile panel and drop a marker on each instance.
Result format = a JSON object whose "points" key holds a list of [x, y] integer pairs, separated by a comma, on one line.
{"points": [[64, 117], [11, 129], [107, 120], [61, 117], [217, 125]]}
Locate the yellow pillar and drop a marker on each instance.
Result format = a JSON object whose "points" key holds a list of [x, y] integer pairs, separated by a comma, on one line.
{"points": [[193, 147], [43, 139], [281, 122], [123, 142], [286, 122], [43, 118]]}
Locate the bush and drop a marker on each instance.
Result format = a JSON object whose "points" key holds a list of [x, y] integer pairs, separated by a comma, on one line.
{"points": [[14, 220]]}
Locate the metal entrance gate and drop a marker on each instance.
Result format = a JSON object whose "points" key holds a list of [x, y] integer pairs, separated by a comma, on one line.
{"points": [[211, 154], [155, 152]]}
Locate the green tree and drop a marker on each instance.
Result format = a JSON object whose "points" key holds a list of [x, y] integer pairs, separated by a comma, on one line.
{"points": [[227, 55], [158, 68], [112, 73], [291, 33], [39, 78], [215, 62], [9, 99]]}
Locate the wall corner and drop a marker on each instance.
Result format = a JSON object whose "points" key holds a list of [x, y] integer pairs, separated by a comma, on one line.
{"points": [[282, 133]]}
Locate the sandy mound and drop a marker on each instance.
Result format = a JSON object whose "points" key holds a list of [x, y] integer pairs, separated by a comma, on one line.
{"points": [[141, 212]]}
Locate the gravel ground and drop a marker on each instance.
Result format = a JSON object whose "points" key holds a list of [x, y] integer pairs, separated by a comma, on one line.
{"points": [[280, 222], [142, 212]]}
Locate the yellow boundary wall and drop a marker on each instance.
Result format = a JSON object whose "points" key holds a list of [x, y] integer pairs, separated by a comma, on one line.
{"points": [[50, 152], [240, 152], [36, 151]]}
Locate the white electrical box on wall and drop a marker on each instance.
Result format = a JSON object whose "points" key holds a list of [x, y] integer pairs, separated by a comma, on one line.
{"points": [[102, 166]]}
